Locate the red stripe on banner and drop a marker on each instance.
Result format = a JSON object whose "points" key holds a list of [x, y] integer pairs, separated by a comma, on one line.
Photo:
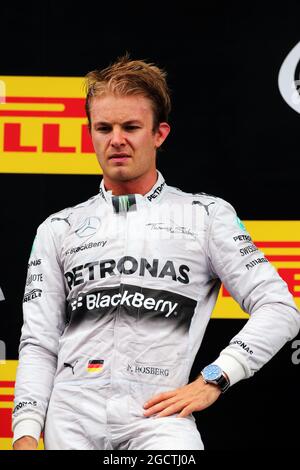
{"points": [[7, 384], [6, 398], [73, 107], [94, 366], [278, 244], [283, 257], [5, 422]]}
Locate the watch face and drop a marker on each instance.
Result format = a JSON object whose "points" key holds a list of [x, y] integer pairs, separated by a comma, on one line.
{"points": [[212, 372]]}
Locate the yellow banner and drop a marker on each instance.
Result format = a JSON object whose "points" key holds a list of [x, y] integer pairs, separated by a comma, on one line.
{"points": [[8, 371], [280, 242], [43, 126]]}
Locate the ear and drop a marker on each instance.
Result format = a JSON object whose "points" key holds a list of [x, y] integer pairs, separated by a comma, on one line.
{"points": [[162, 133]]}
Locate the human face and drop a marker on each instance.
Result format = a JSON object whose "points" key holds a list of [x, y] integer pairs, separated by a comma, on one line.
{"points": [[124, 140]]}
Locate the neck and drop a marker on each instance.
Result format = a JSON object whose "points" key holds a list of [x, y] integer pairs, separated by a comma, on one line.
{"points": [[140, 185]]}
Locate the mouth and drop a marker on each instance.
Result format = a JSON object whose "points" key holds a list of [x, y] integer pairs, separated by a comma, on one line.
{"points": [[119, 157]]}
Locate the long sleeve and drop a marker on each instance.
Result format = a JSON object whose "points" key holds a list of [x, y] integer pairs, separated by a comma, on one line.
{"points": [[255, 284], [44, 319]]}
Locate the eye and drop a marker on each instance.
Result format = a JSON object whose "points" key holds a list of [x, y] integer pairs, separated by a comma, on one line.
{"points": [[104, 129], [131, 127]]}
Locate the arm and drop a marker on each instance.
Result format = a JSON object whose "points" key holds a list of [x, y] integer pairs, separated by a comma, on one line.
{"points": [[44, 310], [261, 292], [25, 443], [255, 284]]}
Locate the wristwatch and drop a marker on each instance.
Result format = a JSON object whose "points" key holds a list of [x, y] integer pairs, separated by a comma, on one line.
{"points": [[213, 374]]}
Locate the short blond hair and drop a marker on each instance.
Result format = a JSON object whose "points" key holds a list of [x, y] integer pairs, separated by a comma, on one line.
{"points": [[131, 77]]}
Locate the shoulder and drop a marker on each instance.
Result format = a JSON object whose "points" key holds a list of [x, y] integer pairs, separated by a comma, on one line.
{"points": [[208, 203], [61, 222]]}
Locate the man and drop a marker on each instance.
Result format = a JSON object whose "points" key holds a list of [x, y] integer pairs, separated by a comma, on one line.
{"points": [[140, 266]]}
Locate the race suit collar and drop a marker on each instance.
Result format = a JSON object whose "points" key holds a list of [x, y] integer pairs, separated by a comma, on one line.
{"points": [[153, 195], [157, 190]]}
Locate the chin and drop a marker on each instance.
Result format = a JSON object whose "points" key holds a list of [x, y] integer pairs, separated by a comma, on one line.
{"points": [[121, 174]]}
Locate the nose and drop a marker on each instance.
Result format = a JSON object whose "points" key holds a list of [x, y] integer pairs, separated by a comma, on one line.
{"points": [[117, 138]]}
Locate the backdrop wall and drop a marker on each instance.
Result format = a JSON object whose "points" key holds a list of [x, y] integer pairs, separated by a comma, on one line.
{"points": [[234, 134]]}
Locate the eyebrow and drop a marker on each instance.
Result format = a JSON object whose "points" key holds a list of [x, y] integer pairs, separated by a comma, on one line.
{"points": [[125, 123]]}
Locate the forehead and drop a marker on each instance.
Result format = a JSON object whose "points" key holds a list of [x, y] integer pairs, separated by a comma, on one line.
{"points": [[120, 108]]}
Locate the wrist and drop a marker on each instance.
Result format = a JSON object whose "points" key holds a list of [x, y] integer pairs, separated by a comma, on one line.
{"points": [[233, 367], [25, 443], [213, 374]]}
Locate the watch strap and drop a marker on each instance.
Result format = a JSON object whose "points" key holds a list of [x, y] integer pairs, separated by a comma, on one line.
{"points": [[223, 383]]}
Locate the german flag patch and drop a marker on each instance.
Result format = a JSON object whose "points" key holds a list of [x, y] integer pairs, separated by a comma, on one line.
{"points": [[95, 365]]}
